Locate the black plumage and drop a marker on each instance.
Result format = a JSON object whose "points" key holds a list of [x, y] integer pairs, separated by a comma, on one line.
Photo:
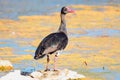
{"points": [[54, 41]]}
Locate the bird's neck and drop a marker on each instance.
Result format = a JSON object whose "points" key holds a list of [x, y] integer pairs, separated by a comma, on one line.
{"points": [[62, 27]]}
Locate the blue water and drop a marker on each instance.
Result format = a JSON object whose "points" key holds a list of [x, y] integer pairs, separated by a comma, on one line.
{"points": [[16, 47], [112, 76], [12, 9], [99, 70], [97, 33], [28, 65], [106, 74], [104, 31]]}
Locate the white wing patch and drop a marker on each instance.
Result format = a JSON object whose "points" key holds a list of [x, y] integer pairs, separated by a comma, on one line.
{"points": [[50, 49]]}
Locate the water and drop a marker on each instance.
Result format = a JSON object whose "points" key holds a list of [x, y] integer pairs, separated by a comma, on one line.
{"points": [[97, 33], [17, 48], [106, 74], [12, 9], [99, 70], [112, 76], [28, 65]]}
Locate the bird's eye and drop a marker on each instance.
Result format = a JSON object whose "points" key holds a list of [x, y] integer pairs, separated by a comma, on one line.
{"points": [[65, 9]]}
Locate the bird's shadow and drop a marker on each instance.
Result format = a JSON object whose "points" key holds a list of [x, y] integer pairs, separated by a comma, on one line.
{"points": [[27, 71]]}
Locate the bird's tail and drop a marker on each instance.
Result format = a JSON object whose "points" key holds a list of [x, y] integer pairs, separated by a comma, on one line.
{"points": [[39, 53], [43, 55], [40, 56]]}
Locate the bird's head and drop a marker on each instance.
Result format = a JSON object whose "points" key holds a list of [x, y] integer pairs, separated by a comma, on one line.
{"points": [[66, 10]]}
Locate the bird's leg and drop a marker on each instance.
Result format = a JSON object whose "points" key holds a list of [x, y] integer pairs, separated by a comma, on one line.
{"points": [[48, 60], [55, 60]]}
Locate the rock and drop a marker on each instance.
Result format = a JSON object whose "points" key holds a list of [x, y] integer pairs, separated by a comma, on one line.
{"points": [[57, 75], [5, 65], [15, 75], [42, 75], [36, 74]]}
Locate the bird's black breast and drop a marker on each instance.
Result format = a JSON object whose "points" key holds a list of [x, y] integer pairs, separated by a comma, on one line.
{"points": [[57, 40]]}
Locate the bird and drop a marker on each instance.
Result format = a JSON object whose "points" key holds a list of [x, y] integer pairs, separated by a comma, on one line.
{"points": [[54, 42]]}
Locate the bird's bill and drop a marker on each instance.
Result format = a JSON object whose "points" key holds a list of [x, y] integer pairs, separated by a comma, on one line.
{"points": [[70, 10]]}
